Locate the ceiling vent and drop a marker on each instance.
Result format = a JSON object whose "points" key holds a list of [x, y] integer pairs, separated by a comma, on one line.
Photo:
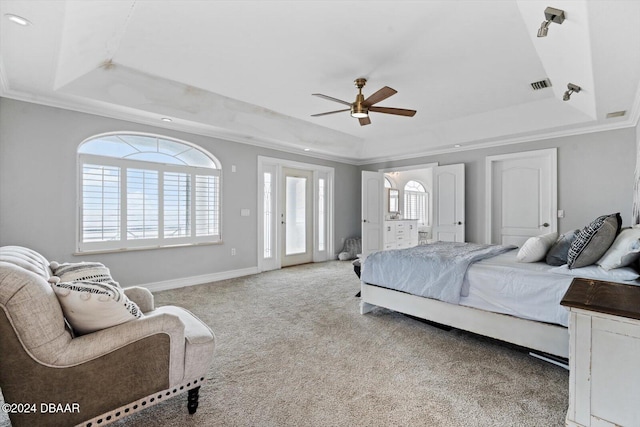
{"points": [[616, 114], [542, 84]]}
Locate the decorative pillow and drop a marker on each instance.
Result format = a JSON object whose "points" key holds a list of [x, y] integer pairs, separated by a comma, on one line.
{"points": [[91, 306], [82, 272], [622, 274], [535, 248], [624, 250], [557, 255], [594, 240]]}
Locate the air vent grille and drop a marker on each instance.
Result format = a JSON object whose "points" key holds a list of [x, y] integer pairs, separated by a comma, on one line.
{"points": [[616, 114], [542, 84]]}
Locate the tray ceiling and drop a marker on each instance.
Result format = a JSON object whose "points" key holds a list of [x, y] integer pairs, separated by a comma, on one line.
{"points": [[245, 70]]}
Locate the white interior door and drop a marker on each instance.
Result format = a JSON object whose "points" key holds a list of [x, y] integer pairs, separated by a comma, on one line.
{"points": [[372, 211], [523, 196], [448, 203], [297, 217]]}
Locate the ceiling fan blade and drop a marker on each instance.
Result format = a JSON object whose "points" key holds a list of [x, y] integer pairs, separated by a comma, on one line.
{"points": [[330, 98], [380, 95], [364, 121], [396, 111], [330, 112]]}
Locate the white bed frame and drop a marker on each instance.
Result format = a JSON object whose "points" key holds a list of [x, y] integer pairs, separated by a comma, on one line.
{"points": [[543, 337]]}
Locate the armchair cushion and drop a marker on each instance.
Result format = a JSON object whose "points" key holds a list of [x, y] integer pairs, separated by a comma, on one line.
{"points": [[92, 306]]}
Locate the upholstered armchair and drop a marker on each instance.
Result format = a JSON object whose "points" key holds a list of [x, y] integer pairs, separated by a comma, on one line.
{"points": [[99, 377]]}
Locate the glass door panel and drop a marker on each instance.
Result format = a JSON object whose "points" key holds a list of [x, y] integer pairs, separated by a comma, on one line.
{"points": [[297, 218]]}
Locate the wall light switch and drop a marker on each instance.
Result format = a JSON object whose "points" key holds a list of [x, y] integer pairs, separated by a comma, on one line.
{"points": [[560, 213], [245, 212], [233, 168]]}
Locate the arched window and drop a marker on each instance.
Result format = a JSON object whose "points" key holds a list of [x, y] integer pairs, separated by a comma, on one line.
{"points": [[387, 183], [144, 191], [416, 202]]}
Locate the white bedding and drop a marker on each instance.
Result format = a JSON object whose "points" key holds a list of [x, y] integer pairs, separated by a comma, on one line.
{"points": [[530, 291], [526, 290], [435, 270]]}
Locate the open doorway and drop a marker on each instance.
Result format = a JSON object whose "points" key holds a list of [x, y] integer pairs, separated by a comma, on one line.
{"points": [[415, 204]]}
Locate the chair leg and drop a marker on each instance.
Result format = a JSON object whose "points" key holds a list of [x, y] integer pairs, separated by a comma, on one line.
{"points": [[192, 400]]}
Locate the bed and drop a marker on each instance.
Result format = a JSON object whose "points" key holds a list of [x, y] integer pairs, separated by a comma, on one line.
{"points": [[498, 291], [498, 296]]}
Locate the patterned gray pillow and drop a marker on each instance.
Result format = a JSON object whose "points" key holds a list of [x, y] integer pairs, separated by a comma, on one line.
{"points": [[81, 272], [594, 240], [557, 255]]}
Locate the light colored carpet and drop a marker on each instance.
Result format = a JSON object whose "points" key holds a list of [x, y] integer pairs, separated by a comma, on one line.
{"points": [[293, 350]]}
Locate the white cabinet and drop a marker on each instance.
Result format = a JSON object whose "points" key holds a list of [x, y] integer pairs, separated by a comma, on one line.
{"points": [[604, 378], [400, 233]]}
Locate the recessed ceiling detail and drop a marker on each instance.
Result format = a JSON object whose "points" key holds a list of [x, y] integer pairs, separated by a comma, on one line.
{"points": [[233, 70]]}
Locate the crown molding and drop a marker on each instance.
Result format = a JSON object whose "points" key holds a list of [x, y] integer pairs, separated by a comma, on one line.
{"points": [[96, 108], [133, 116]]}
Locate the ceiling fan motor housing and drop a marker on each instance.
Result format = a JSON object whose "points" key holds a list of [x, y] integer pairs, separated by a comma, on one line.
{"points": [[357, 108]]}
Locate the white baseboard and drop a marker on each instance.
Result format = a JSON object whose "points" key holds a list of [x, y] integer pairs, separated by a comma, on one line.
{"points": [[199, 280]]}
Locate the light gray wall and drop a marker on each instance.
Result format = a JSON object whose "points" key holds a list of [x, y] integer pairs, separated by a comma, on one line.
{"points": [[38, 194], [595, 177]]}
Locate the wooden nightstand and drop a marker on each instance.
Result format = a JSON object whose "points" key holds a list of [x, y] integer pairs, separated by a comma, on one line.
{"points": [[604, 353]]}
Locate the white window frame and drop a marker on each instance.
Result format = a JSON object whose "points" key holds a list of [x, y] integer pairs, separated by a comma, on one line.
{"points": [[419, 196], [123, 243]]}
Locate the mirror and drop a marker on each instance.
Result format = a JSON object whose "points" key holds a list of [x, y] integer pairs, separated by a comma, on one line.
{"points": [[394, 200]]}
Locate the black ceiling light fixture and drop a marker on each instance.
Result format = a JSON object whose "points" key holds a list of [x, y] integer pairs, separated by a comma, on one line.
{"points": [[551, 14]]}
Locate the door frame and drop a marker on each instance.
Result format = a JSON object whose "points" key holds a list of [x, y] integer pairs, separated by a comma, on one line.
{"points": [[551, 154], [319, 171], [383, 171]]}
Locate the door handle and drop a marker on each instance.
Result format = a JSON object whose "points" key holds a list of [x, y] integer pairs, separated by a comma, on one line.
{"points": [[364, 220], [457, 223], [546, 224]]}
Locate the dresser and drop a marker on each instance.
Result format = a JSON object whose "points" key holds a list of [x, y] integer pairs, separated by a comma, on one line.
{"points": [[604, 354], [400, 233]]}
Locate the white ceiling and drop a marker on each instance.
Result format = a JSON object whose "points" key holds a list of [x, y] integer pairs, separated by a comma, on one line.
{"points": [[245, 70]]}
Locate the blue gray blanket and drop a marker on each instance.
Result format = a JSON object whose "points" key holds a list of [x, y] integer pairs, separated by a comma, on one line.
{"points": [[435, 270]]}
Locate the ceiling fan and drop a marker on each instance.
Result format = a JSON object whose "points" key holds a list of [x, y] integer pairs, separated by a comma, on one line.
{"points": [[361, 107]]}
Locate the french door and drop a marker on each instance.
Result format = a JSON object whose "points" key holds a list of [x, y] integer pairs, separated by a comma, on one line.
{"points": [[296, 217], [296, 221], [448, 206]]}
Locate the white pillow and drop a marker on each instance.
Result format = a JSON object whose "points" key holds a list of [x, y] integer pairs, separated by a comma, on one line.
{"points": [[536, 248], [622, 274], [624, 250], [91, 306]]}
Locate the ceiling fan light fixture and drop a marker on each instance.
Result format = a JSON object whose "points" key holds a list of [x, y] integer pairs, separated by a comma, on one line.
{"points": [[361, 107], [359, 114], [358, 110]]}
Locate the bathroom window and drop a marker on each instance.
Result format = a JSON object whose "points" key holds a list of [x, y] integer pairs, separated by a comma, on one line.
{"points": [[416, 202]]}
